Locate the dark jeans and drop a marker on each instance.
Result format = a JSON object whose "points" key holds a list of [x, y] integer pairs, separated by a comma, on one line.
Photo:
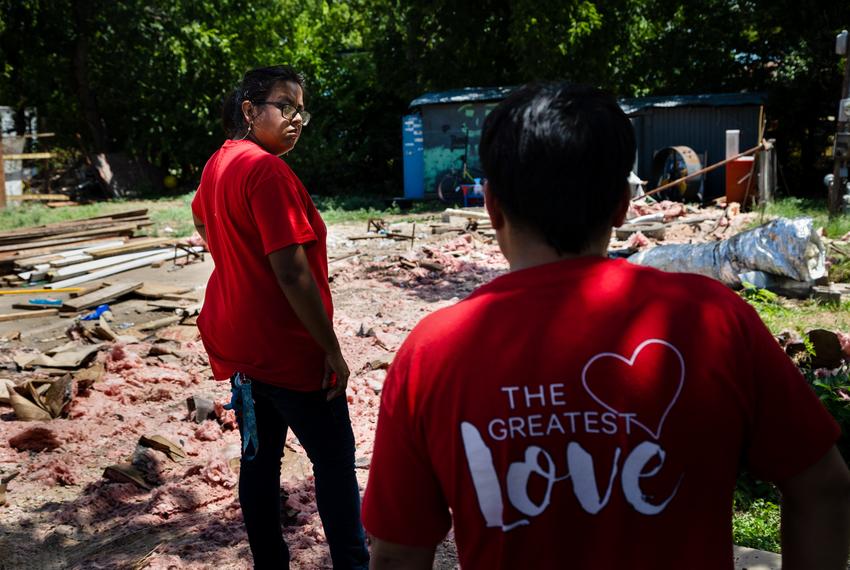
{"points": [[324, 429]]}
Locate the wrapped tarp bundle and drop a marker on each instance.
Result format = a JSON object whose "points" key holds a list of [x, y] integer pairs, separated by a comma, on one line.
{"points": [[782, 248]]}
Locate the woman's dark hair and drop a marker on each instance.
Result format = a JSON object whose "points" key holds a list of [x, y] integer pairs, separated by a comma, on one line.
{"points": [[557, 158], [255, 86]]}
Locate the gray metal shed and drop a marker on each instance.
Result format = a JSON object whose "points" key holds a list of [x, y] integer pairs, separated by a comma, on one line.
{"points": [[697, 121], [439, 122]]}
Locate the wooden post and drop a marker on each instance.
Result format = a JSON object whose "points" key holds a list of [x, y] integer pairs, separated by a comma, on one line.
{"points": [[2, 177], [767, 176]]}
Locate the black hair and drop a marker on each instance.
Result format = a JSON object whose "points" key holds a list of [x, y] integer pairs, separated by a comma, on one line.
{"points": [[255, 86], [557, 156]]}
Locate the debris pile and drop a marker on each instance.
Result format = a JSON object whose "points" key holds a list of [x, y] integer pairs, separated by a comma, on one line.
{"points": [[67, 254]]}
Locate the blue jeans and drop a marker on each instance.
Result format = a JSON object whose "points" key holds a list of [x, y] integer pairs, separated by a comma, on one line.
{"points": [[324, 429]]}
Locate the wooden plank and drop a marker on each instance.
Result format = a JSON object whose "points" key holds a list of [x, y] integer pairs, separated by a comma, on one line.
{"points": [[36, 291], [72, 225], [467, 213], [132, 246], [100, 296], [28, 315], [159, 323], [109, 227], [29, 156], [45, 197], [86, 289], [24, 250], [158, 291], [144, 262], [67, 254], [29, 307], [74, 238], [86, 267]]}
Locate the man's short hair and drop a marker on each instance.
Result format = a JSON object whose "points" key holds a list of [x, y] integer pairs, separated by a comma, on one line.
{"points": [[557, 157]]}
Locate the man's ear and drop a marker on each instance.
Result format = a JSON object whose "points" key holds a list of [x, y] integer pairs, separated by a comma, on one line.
{"points": [[623, 207], [494, 209]]}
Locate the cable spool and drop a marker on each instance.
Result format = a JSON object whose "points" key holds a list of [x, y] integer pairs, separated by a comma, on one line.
{"points": [[676, 162]]}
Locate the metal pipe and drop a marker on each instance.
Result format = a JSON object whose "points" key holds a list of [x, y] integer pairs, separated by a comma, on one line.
{"points": [[703, 171]]}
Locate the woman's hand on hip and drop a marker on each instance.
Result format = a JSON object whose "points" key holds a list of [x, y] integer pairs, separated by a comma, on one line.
{"points": [[336, 375]]}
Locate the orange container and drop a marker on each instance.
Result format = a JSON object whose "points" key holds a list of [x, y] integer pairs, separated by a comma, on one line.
{"points": [[738, 180]]}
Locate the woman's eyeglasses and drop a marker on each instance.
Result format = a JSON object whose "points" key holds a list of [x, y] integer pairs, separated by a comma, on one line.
{"points": [[288, 111]]}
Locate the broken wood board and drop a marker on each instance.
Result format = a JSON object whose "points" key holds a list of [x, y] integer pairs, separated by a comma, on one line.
{"points": [[159, 323], [159, 291], [166, 304], [100, 296], [135, 264], [28, 315]]}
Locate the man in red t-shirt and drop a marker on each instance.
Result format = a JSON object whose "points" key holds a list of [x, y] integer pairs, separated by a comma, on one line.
{"points": [[581, 412]]}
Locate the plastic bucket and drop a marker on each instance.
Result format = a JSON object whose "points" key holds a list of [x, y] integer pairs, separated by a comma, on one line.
{"points": [[738, 180]]}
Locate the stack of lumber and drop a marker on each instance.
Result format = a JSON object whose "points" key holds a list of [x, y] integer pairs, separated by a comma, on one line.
{"points": [[69, 253]]}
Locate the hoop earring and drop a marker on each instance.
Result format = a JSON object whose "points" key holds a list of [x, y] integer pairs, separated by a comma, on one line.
{"points": [[248, 132]]}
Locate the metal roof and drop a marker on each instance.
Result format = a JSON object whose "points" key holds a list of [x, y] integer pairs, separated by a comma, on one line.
{"points": [[632, 106], [462, 95], [629, 106]]}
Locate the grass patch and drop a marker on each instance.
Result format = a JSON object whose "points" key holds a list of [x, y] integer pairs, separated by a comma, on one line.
{"points": [[757, 526], [337, 209], [175, 212], [781, 314], [816, 209], [171, 212]]}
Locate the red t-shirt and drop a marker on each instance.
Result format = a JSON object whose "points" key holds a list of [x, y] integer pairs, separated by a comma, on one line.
{"points": [[252, 204], [587, 413]]}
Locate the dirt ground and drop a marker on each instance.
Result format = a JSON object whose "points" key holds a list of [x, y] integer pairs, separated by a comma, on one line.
{"points": [[62, 512]]}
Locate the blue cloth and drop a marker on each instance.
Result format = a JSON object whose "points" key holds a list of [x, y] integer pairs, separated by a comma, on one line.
{"points": [[242, 401], [324, 429], [96, 314]]}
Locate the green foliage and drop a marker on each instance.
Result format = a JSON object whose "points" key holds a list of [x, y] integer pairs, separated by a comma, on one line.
{"points": [[758, 526], [833, 389], [147, 77]]}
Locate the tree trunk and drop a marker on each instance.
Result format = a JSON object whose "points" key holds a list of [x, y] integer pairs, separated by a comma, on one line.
{"points": [[85, 94]]}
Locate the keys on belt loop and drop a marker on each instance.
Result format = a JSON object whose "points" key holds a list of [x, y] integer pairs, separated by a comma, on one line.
{"points": [[242, 401]]}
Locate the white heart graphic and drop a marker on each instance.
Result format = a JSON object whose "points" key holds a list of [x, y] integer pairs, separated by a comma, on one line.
{"points": [[630, 361]]}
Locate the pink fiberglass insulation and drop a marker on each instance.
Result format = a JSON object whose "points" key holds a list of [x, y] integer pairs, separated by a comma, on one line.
{"points": [[194, 500], [35, 439]]}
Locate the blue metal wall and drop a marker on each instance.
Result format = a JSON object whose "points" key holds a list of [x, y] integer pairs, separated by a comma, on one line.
{"points": [[414, 156], [701, 128]]}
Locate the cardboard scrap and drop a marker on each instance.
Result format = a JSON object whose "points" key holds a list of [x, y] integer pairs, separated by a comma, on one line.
{"points": [[6, 386], [42, 399], [163, 444], [71, 355], [126, 473], [201, 408], [87, 377]]}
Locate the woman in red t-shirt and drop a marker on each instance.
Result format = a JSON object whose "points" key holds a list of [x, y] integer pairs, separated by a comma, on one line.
{"points": [[267, 317]]}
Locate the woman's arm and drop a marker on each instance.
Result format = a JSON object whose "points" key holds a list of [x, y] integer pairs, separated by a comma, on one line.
{"points": [[293, 274], [199, 227], [816, 515]]}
